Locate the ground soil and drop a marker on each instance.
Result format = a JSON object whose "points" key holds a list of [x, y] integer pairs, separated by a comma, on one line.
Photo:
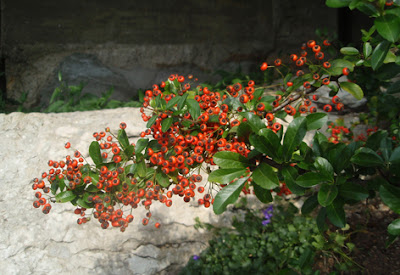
{"points": [[368, 222]]}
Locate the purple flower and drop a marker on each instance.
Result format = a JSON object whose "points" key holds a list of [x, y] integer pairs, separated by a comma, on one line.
{"points": [[265, 222], [196, 257], [267, 215]]}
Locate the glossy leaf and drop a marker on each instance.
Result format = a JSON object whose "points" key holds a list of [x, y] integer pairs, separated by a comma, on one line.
{"points": [[388, 26], [316, 120], [290, 174], [390, 195], [65, 196], [94, 152], [151, 121], [326, 194], [229, 194], [395, 156], [141, 168], [353, 191], [82, 203], [394, 227], [123, 138], [225, 176], [267, 143], [294, 135], [336, 214], [175, 100], [368, 9], [166, 123], [141, 144], [129, 151], [262, 194], [349, 51], [182, 101], [309, 205], [162, 179], [353, 89], [227, 159], [265, 176], [130, 169], [367, 158], [309, 179], [367, 49], [254, 121], [379, 54], [244, 130], [324, 168], [193, 108]]}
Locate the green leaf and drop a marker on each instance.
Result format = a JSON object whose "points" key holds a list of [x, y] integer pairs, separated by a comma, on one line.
{"points": [[394, 88], [326, 194], [367, 158], [368, 9], [194, 108], [229, 194], [324, 167], [130, 169], [290, 174], [309, 204], [91, 188], [335, 213], [395, 156], [141, 168], [94, 152], [162, 179], [367, 49], [309, 179], [123, 138], [166, 123], [394, 227], [244, 130], [316, 120], [349, 51], [353, 191], [293, 137], [379, 54], [267, 142], [390, 196], [353, 89], [337, 3], [129, 151], [225, 176], [227, 159], [254, 121], [151, 121], [388, 26], [262, 194], [173, 102], [65, 196], [141, 144], [82, 203], [265, 176], [182, 101], [337, 66]]}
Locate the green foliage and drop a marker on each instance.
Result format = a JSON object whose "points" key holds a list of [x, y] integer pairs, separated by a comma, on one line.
{"points": [[285, 243]]}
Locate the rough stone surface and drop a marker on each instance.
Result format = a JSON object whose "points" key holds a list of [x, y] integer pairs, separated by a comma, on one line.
{"points": [[34, 243], [142, 43]]}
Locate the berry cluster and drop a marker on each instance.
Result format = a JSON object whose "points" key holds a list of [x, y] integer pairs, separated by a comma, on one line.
{"points": [[186, 127]]}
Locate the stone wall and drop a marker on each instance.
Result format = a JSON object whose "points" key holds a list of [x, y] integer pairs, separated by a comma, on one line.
{"points": [[34, 243], [137, 43]]}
